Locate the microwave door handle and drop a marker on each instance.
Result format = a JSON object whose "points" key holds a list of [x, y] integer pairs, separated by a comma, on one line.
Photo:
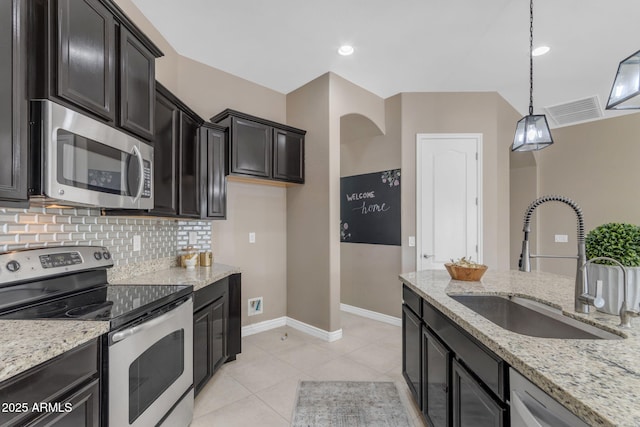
{"points": [[136, 152]]}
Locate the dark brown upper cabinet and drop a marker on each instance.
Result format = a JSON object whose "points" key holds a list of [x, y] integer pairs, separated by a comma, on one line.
{"points": [[213, 155], [288, 155], [188, 167], [137, 86], [165, 154], [88, 56], [261, 148], [13, 104]]}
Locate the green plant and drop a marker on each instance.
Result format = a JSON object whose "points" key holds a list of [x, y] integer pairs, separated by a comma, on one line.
{"points": [[615, 240]]}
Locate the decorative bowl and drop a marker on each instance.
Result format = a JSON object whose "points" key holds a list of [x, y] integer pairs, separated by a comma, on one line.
{"points": [[468, 274]]}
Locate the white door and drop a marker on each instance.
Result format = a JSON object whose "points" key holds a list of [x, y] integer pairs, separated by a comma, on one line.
{"points": [[448, 202]]}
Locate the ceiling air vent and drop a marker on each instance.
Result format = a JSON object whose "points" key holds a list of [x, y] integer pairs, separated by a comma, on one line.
{"points": [[573, 112]]}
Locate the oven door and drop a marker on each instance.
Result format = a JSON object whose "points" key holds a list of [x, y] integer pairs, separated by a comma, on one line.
{"points": [[87, 162], [151, 369]]}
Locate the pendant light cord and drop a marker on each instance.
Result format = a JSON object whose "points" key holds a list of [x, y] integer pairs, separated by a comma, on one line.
{"points": [[531, 58]]}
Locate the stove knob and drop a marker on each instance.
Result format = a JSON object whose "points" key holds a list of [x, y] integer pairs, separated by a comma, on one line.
{"points": [[97, 256], [106, 255], [13, 266]]}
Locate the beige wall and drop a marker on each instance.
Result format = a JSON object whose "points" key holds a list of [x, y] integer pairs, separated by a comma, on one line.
{"points": [[473, 112], [251, 207], [308, 225], [369, 273], [523, 190], [593, 164], [262, 210]]}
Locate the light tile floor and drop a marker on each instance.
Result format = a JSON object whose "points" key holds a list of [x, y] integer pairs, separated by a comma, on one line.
{"points": [[259, 388]]}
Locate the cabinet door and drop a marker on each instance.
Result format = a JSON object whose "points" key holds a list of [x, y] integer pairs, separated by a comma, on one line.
{"points": [[137, 86], [165, 155], [234, 338], [202, 354], [84, 410], [472, 405], [189, 168], [435, 379], [86, 56], [219, 316], [288, 156], [250, 148], [214, 155], [13, 108], [412, 352]]}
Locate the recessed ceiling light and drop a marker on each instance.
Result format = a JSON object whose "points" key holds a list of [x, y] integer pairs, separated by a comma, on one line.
{"points": [[540, 50], [345, 50]]}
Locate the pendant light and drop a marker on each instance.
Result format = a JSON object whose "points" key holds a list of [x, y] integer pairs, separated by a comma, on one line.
{"points": [[532, 131], [626, 86]]}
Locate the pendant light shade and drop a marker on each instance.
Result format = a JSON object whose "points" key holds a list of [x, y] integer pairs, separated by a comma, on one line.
{"points": [[532, 131], [626, 86]]}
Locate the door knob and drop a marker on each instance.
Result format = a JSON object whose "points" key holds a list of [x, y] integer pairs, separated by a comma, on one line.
{"points": [[425, 256]]}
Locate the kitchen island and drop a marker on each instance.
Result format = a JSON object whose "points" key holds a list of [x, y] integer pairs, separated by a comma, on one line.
{"points": [[598, 380]]}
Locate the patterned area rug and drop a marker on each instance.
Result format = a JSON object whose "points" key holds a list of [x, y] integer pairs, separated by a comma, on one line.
{"points": [[349, 404]]}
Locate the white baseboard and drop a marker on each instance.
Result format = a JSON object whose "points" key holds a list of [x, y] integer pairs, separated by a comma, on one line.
{"points": [[313, 331], [395, 321], [256, 328]]}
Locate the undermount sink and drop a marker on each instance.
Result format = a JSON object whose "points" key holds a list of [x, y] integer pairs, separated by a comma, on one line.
{"points": [[526, 317]]}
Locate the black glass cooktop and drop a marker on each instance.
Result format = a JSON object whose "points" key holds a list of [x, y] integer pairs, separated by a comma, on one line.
{"points": [[118, 304]]}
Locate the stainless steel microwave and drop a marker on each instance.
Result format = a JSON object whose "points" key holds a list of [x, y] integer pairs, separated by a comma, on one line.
{"points": [[81, 161]]}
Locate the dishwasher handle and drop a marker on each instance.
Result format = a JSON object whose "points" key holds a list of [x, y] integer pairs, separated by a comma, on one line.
{"points": [[529, 412]]}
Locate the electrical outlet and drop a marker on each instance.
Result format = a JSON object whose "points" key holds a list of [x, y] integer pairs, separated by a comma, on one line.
{"points": [[412, 241], [561, 238], [193, 237], [252, 237], [137, 244], [255, 306]]}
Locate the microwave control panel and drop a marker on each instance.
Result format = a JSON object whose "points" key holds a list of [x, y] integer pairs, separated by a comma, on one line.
{"points": [[146, 189]]}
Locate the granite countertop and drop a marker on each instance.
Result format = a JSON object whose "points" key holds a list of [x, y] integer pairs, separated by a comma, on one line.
{"points": [[27, 343], [199, 277], [598, 380]]}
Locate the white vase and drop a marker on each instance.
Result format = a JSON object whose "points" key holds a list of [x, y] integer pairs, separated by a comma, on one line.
{"points": [[612, 286]]}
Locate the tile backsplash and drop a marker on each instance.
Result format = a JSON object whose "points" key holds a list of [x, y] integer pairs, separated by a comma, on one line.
{"points": [[160, 237]]}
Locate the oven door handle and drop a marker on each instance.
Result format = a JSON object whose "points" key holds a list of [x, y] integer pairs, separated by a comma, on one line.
{"points": [[119, 336]]}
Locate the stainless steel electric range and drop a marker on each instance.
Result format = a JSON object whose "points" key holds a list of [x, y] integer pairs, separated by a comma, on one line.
{"points": [[147, 376]]}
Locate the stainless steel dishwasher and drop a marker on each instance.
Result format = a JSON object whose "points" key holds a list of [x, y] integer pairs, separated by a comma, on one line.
{"points": [[532, 407]]}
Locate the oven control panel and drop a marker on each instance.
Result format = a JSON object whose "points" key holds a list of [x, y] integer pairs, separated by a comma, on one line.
{"points": [[33, 264], [60, 259]]}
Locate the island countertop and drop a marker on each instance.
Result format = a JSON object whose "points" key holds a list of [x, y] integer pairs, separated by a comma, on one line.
{"points": [[598, 380], [199, 277], [27, 343]]}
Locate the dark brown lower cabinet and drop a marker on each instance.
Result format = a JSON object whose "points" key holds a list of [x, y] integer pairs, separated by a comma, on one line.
{"points": [[64, 391], [216, 328], [472, 405], [209, 340], [412, 352], [436, 371]]}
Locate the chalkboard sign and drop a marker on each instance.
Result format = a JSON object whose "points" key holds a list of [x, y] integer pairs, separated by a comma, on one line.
{"points": [[370, 208]]}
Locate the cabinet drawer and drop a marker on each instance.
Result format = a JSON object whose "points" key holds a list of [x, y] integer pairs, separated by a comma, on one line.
{"points": [[210, 293], [484, 364], [412, 300], [50, 382]]}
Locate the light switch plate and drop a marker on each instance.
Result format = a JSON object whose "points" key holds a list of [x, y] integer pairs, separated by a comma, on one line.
{"points": [[561, 238], [193, 237], [137, 243], [412, 241], [252, 237]]}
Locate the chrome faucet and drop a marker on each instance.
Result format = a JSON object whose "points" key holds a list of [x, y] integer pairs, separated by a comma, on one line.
{"points": [[625, 313], [525, 257]]}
